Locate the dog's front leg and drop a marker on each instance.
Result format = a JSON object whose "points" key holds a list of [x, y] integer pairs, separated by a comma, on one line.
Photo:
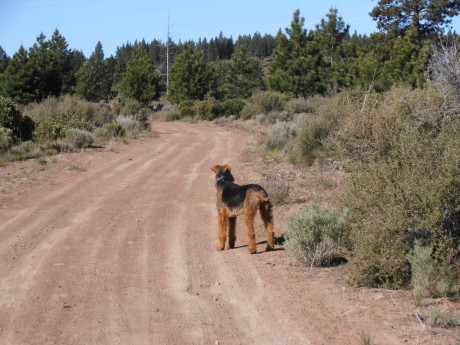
{"points": [[222, 231]]}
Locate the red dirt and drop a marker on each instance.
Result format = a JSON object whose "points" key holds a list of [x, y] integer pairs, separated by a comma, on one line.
{"points": [[118, 247]]}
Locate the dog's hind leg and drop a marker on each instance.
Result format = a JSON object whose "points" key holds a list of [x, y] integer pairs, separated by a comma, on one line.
{"points": [[231, 232], [222, 231], [249, 215], [266, 214]]}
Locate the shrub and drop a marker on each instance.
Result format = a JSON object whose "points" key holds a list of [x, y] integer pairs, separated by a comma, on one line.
{"points": [[444, 319], [269, 101], [232, 107], [92, 114], [423, 270], [129, 124], [405, 188], [250, 110], [114, 129], [298, 105], [279, 136], [55, 127], [21, 126], [27, 146], [315, 236], [172, 115], [312, 134], [186, 108], [207, 109], [6, 139], [279, 190], [426, 276], [78, 138]]}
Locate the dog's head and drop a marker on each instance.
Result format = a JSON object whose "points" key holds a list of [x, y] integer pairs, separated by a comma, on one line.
{"points": [[223, 172]]}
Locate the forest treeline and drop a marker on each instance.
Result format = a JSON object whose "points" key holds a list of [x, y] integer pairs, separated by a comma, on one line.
{"points": [[322, 60]]}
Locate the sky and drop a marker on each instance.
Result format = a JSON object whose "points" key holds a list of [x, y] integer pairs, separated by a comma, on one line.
{"points": [[115, 22]]}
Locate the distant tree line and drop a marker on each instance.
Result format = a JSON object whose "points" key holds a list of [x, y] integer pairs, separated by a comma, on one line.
{"points": [[297, 61]]}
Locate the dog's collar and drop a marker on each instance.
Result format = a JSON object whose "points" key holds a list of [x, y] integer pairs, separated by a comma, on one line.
{"points": [[221, 178]]}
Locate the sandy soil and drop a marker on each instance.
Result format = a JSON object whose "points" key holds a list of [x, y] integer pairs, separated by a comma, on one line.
{"points": [[118, 247]]}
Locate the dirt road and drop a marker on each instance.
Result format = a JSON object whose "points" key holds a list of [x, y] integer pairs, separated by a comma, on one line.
{"points": [[119, 248]]}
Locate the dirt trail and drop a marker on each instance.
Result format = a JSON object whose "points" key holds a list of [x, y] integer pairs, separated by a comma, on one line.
{"points": [[121, 250]]}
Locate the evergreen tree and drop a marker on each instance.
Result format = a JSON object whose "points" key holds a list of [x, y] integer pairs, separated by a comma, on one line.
{"points": [[50, 60], [17, 80], [4, 59], [426, 17], [407, 62], [243, 76], [189, 76], [94, 79], [122, 56], [140, 81], [333, 39], [296, 62]]}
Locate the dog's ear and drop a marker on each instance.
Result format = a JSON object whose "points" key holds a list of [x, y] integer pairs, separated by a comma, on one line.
{"points": [[227, 168], [215, 168]]}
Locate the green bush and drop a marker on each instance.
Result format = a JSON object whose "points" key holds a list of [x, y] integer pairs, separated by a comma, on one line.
{"points": [[186, 108], [279, 136], [278, 189], [315, 236], [113, 129], [129, 124], [232, 107], [54, 127], [250, 110], [173, 115], [6, 139], [269, 101], [93, 114], [298, 105], [404, 189], [312, 133], [207, 109], [427, 278], [78, 138], [21, 126]]}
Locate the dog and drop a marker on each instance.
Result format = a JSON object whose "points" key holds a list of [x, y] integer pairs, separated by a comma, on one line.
{"points": [[234, 200]]}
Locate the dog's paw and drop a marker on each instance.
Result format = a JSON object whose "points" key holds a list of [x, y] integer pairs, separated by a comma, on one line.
{"points": [[269, 248], [220, 247], [252, 249]]}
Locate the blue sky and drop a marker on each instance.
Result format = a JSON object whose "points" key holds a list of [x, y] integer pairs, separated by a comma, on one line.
{"points": [[115, 22]]}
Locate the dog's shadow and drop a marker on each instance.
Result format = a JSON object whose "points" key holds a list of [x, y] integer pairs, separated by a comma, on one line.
{"points": [[279, 242]]}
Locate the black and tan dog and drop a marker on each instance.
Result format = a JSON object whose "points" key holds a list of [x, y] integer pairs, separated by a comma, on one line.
{"points": [[234, 200]]}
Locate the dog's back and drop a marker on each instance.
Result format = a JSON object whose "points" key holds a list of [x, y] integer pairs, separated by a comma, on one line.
{"points": [[234, 195]]}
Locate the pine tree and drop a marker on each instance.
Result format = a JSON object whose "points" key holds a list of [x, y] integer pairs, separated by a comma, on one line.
{"points": [[243, 76], [4, 59], [296, 61], [189, 76], [407, 62], [333, 39], [94, 79], [17, 80], [426, 17], [140, 81], [50, 60]]}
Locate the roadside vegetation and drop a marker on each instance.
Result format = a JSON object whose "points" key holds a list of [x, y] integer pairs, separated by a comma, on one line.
{"points": [[386, 108]]}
